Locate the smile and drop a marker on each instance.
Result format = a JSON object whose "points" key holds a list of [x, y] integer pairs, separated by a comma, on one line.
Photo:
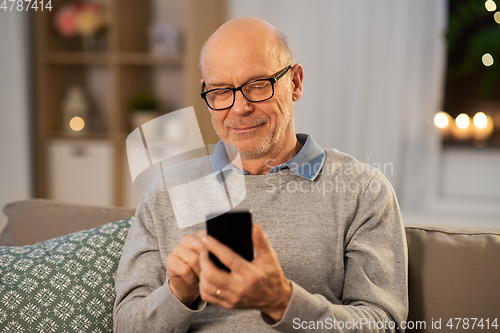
{"points": [[245, 129]]}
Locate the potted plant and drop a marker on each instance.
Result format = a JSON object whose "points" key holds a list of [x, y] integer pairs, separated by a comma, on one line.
{"points": [[144, 108]]}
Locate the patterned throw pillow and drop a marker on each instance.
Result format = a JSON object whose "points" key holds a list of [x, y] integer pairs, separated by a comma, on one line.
{"points": [[65, 284]]}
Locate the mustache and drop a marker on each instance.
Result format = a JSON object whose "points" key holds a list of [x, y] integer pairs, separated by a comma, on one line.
{"points": [[245, 122]]}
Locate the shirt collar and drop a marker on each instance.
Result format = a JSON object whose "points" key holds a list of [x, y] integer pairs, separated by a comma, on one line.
{"points": [[306, 164]]}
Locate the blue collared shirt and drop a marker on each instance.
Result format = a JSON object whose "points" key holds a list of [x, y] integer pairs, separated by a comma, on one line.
{"points": [[306, 164]]}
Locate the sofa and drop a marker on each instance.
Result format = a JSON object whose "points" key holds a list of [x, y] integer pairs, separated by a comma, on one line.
{"points": [[57, 266]]}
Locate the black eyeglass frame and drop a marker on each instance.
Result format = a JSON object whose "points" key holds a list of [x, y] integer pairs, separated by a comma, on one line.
{"points": [[273, 80]]}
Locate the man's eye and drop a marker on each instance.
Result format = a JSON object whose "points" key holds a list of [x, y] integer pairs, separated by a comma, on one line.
{"points": [[257, 86], [222, 92]]}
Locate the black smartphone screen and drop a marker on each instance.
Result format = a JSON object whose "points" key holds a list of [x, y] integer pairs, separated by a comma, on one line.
{"points": [[233, 229]]}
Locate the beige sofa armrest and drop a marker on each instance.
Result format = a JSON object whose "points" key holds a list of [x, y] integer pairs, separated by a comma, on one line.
{"points": [[35, 220], [453, 274]]}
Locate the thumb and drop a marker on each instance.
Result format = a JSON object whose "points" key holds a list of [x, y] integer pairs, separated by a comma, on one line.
{"points": [[260, 240]]}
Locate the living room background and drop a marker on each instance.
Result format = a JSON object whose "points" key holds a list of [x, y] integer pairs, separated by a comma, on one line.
{"points": [[374, 78]]}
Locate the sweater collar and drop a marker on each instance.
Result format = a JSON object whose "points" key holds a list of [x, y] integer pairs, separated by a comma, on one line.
{"points": [[306, 164]]}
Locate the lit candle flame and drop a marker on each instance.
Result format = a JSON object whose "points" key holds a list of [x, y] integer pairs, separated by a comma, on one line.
{"points": [[462, 121], [441, 120], [480, 120]]}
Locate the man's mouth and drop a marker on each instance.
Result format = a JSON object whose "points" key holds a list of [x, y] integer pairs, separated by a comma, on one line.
{"points": [[244, 129]]}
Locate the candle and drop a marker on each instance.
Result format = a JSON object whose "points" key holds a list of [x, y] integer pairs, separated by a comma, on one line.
{"points": [[461, 129], [442, 120], [483, 126]]}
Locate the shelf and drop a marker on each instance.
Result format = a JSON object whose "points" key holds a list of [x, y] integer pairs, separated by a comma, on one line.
{"points": [[120, 67], [78, 58], [146, 59], [79, 136], [103, 58], [471, 144]]}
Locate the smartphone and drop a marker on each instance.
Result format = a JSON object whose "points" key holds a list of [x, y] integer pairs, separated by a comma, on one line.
{"points": [[234, 229]]}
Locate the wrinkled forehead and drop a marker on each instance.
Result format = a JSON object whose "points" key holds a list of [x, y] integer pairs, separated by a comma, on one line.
{"points": [[236, 53]]}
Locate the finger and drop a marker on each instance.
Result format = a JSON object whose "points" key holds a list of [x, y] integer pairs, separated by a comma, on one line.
{"points": [[213, 299], [225, 298], [211, 273], [209, 295], [213, 281], [225, 254], [211, 277], [201, 233], [177, 268], [260, 240], [193, 242], [189, 256]]}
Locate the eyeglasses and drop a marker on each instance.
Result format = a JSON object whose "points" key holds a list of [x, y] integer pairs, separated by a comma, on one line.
{"points": [[254, 91]]}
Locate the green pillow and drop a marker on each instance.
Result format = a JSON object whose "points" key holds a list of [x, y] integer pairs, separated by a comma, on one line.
{"points": [[65, 284]]}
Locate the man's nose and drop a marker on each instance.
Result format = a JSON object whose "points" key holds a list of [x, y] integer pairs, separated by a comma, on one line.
{"points": [[241, 104]]}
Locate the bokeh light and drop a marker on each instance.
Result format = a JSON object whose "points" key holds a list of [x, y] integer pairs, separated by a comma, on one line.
{"points": [[490, 5], [480, 120], [462, 121], [76, 124], [497, 17], [487, 59], [441, 120]]}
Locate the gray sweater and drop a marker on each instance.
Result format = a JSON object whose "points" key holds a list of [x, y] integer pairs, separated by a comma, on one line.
{"points": [[339, 239]]}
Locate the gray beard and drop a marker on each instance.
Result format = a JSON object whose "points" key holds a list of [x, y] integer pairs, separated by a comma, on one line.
{"points": [[265, 146]]}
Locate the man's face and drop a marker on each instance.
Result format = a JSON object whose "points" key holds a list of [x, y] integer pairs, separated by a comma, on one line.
{"points": [[254, 129]]}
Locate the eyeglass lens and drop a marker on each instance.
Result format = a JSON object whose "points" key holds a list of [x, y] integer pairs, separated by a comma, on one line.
{"points": [[256, 91]]}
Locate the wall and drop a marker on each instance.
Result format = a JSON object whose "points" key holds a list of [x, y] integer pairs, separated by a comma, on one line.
{"points": [[15, 173]]}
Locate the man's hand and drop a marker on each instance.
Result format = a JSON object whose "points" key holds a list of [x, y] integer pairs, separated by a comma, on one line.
{"points": [[184, 268], [260, 284]]}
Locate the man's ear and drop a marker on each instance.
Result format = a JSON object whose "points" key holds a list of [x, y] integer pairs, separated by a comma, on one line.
{"points": [[297, 79], [202, 82]]}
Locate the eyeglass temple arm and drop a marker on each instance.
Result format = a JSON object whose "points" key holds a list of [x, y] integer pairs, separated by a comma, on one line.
{"points": [[280, 75]]}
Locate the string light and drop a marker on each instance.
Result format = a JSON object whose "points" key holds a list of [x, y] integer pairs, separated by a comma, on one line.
{"points": [[487, 59], [497, 17], [480, 120], [462, 121], [490, 5], [441, 120]]}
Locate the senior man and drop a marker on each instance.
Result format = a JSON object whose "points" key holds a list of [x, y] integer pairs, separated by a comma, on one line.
{"points": [[325, 259]]}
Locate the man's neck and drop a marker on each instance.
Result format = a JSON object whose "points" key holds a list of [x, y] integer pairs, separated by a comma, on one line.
{"points": [[264, 164]]}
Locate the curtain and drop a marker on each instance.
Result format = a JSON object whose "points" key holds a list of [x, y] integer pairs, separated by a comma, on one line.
{"points": [[374, 77], [15, 153]]}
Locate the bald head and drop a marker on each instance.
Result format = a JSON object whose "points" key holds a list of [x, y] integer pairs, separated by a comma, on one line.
{"points": [[244, 54], [241, 38]]}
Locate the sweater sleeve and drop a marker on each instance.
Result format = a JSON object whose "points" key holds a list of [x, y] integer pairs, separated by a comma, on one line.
{"points": [[144, 302], [375, 293]]}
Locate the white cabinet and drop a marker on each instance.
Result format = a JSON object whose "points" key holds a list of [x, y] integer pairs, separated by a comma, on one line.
{"points": [[81, 171]]}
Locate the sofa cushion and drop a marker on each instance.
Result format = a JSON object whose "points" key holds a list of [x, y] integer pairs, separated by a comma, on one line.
{"points": [[36, 220], [65, 284], [454, 274]]}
